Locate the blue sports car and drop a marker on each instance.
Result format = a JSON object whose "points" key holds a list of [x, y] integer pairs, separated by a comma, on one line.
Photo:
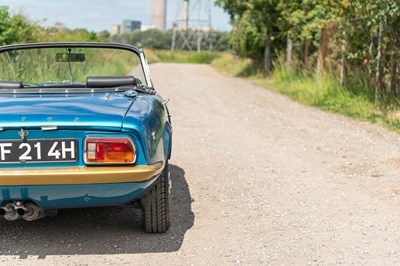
{"points": [[82, 126]]}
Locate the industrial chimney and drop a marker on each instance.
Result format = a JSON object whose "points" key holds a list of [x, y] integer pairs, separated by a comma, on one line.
{"points": [[159, 14], [185, 25]]}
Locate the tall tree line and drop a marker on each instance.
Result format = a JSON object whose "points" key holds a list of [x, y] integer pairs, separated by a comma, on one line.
{"points": [[350, 39]]}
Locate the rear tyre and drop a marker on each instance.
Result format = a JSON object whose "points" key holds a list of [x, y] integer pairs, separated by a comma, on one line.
{"points": [[155, 205]]}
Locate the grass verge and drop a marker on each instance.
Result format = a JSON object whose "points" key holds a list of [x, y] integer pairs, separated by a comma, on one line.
{"points": [[188, 57], [235, 66], [324, 93]]}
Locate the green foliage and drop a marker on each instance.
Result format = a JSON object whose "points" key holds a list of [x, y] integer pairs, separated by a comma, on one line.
{"points": [[235, 66], [373, 45], [155, 39], [254, 22], [16, 28], [189, 57], [66, 35], [356, 41], [324, 93], [327, 94], [303, 20]]}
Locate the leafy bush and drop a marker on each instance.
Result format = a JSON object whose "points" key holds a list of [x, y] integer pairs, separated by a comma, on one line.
{"points": [[16, 28]]}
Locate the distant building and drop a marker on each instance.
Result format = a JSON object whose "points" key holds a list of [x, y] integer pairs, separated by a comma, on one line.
{"points": [[59, 26], [147, 27], [129, 26], [115, 30]]}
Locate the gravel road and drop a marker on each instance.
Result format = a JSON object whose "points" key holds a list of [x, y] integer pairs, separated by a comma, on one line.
{"points": [[257, 179]]}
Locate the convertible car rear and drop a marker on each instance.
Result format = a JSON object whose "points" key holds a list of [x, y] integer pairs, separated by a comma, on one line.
{"points": [[82, 126]]}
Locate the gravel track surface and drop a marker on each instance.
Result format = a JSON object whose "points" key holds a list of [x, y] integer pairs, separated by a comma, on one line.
{"points": [[257, 179]]}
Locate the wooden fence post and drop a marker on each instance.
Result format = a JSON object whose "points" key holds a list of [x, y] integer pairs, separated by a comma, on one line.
{"points": [[343, 50], [289, 51], [378, 63]]}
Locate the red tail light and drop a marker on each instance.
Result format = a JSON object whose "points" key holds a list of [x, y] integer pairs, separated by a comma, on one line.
{"points": [[110, 150]]}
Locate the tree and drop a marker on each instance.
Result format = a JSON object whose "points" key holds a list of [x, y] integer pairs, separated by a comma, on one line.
{"points": [[374, 44], [16, 28], [255, 25], [262, 26]]}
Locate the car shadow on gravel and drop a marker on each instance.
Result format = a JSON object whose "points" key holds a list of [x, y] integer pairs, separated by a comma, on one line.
{"points": [[99, 230]]}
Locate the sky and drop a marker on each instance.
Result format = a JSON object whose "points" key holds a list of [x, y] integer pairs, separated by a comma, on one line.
{"points": [[99, 15]]}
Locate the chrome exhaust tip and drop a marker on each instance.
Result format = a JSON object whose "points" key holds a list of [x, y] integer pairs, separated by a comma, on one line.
{"points": [[20, 210], [10, 214], [15, 210], [3, 211], [33, 212]]}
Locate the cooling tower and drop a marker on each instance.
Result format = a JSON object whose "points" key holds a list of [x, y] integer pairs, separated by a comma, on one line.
{"points": [[159, 14]]}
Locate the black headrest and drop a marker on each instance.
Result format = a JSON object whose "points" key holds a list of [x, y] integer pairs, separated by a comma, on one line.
{"points": [[5, 84], [110, 81]]}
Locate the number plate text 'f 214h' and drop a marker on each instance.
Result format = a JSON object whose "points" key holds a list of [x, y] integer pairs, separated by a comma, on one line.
{"points": [[38, 150]]}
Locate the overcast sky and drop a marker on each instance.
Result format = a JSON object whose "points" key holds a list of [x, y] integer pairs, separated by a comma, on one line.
{"points": [[98, 15]]}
